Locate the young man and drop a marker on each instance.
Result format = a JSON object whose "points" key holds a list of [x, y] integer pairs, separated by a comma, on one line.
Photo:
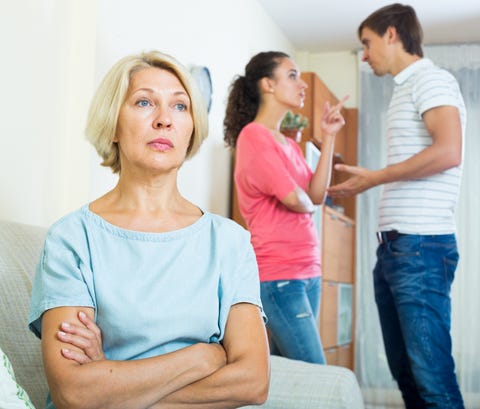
{"points": [[417, 255]]}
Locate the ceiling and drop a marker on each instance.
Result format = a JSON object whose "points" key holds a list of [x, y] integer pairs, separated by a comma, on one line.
{"points": [[320, 26]]}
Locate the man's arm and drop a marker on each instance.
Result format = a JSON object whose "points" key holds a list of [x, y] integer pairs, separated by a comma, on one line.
{"points": [[444, 126]]}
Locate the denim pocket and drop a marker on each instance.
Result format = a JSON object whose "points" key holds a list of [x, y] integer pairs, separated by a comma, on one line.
{"points": [[441, 255], [404, 246], [445, 246], [450, 262]]}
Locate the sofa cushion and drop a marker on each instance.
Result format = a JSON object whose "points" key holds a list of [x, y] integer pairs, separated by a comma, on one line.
{"points": [[12, 395], [20, 247]]}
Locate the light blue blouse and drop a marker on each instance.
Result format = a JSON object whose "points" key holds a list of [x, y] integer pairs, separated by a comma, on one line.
{"points": [[152, 293]]}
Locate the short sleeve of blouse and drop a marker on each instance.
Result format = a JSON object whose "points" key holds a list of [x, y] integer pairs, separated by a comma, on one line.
{"points": [[63, 276], [239, 278]]}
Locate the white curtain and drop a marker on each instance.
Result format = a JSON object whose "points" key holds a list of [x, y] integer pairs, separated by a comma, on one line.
{"points": [[380, 391]]}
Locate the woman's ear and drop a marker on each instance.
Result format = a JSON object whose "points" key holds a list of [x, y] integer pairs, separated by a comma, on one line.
{"points": [[266, 85]]}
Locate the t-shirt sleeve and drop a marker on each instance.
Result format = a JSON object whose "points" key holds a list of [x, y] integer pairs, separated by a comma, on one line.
{"points": [[263, 169], [247, 286], [239, 280], [62, 278], [434, 89]]}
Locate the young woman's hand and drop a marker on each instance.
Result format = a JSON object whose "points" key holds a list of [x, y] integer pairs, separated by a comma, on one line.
{"points": [[87, 338], [332, 119]]}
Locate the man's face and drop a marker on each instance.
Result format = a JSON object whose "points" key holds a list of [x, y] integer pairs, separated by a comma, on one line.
{"points": [[376, 50]]}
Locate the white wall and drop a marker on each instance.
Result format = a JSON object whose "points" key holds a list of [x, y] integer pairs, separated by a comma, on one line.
{"points": [[46, 74], [338, 70], [55, 54]]}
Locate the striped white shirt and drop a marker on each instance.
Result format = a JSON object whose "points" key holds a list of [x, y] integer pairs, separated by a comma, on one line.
{"points": [[426, 205]]}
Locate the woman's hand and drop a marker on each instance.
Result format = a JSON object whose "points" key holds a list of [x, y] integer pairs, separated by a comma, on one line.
{"points": [[332, 119], [88, 338]]}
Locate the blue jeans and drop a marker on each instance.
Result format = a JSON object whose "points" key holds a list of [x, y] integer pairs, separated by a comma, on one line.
{"points": [[292, 308], [412, 280]]}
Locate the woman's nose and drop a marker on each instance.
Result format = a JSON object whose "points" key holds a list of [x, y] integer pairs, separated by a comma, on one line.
{"points": [[162, 118]]}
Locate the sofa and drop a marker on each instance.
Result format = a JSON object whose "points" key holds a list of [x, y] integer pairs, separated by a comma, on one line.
{"points": [[294, 384]]}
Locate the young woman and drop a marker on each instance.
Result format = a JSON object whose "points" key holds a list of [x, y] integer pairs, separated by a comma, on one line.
{"points": [[173, 288], [277, 194]]}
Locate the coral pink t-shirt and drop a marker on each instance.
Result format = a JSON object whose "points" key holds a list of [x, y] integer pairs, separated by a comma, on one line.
{"points": [[286, 243]]}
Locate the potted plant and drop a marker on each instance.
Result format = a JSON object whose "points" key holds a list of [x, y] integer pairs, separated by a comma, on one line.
{"points": [[292, 125]]}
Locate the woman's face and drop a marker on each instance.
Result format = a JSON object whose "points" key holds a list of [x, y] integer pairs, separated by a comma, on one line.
{"points": [[155, 123], [288, 86]]}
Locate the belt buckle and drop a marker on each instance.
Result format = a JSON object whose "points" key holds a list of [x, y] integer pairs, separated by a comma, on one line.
{"points": [[393, 235], [385, 236]]}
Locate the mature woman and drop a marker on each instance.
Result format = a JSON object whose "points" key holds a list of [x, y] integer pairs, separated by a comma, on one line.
{"points": [[277, 193], [173, 288]]}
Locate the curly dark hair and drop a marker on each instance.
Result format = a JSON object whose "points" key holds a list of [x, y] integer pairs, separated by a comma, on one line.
{"points": [[405, 21], [244, 96]]}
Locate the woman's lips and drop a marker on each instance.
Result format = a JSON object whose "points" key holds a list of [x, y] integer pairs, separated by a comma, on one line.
{"points": [[161, 144]]}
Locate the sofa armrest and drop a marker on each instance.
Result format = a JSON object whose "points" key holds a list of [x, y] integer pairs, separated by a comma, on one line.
{"points": [[301, 385], [20, 247]]}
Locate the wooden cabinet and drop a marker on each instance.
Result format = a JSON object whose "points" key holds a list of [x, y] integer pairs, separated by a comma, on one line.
{"points": [[337, 233], [317, 94], [337, 304], [328, 324], [345, 356], [337, 251]]}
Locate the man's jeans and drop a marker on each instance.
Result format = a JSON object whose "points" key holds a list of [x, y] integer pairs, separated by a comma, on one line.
{"points": [[412, 280], [292, 308]]}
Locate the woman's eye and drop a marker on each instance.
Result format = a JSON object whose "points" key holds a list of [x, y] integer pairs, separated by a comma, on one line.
{"points": [[143, 103], [181, 107]]}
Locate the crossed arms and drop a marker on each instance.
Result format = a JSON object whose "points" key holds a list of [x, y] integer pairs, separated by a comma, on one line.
{"points": [[230, 375]]}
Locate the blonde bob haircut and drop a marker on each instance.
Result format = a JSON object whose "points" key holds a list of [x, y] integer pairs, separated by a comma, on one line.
{"points": [[105, 107]]}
